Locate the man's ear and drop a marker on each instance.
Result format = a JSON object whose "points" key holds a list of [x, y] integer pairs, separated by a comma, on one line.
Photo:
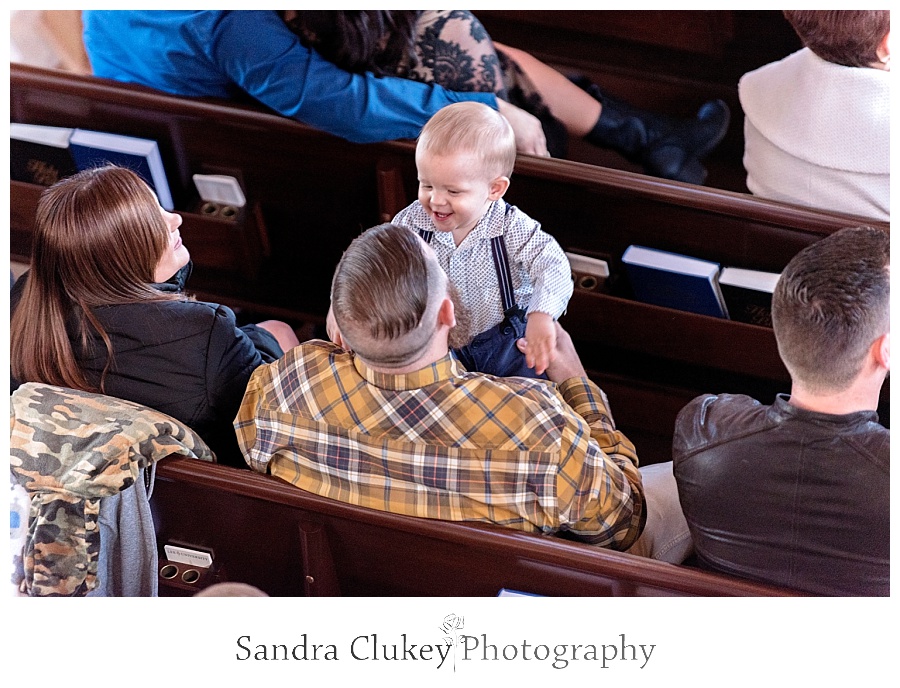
{"points": [[498, 187], [884, 49], [447, 313], [881, 349]]}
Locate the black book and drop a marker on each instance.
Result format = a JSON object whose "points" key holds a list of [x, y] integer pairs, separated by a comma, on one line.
{"points": [[40, 154], [748, 294]]}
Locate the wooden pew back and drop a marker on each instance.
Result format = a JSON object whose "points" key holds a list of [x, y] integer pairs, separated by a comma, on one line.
{"points": [[288, 542], [310, 193]]}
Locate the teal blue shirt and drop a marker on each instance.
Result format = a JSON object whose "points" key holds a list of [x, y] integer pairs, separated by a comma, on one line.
{"points": [[229, 53]]}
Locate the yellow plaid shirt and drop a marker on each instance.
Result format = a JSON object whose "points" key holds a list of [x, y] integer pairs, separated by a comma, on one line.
{"points": [[445, 443]]}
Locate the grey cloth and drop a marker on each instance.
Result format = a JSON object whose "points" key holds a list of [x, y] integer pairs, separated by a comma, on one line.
{"points": [[666, 536], [127, 563]]}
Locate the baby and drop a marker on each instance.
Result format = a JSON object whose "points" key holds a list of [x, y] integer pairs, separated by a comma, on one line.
{"points": [[512, 277]]}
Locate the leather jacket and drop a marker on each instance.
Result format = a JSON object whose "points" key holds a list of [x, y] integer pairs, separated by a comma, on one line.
{"points": [[784, 495]]}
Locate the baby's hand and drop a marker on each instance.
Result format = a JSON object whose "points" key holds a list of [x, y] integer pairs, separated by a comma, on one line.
{"points": [[540, 341]]}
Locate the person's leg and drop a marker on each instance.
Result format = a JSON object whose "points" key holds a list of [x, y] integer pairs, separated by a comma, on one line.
{"points": [[477, 355], [505, 358], [666, 146], [666, 536], [524, 94], [575, 108], [283, 333], [64, 31], [494, 351]]}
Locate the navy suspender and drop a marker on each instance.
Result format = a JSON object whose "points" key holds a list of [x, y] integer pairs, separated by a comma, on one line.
{"points": [[501, 266], [504, 276]]}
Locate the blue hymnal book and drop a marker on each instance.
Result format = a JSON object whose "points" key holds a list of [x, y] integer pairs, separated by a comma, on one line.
{"points": [[674, 281], [94, 148]]}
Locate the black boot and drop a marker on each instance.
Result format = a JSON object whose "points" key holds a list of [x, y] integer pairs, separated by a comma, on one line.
{"points": [[666, 146]]}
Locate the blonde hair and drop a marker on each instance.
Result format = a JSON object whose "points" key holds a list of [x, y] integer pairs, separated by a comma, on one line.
{"points": [[472, 127]]}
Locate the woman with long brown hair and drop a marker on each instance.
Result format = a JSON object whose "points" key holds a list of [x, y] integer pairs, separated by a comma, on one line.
{"points": [[103, 309]]}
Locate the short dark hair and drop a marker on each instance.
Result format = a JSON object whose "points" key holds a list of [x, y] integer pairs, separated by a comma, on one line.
{"points": [[383, 294], [845, 37], [830, 305]]}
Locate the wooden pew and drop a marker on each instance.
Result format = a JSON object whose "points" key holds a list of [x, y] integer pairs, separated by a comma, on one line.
{"points": [[310, 193], [707, 47], [288, 542]]}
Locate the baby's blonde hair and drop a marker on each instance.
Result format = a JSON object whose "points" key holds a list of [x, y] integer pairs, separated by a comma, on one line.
{"points": [[471, 127]]}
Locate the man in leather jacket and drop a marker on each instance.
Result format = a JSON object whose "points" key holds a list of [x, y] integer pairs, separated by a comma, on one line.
{"points": [[798, 493]]}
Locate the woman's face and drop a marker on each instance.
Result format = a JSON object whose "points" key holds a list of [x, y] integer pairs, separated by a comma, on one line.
{"points": [[176, 255]]}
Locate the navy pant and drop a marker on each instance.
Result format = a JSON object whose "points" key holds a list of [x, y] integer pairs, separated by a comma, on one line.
{"points": [[494, 351]]}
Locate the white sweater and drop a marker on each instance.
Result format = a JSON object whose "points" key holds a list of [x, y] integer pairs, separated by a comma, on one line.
{"points": [[818, 134]]}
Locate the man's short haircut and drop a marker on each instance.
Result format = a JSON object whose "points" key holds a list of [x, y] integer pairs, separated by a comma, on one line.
{"points": [[830, 305], [385, 296], [845, 37], [471, 127]]}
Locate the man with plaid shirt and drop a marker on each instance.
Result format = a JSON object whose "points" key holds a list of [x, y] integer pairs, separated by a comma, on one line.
{"points": [[386, 418]]}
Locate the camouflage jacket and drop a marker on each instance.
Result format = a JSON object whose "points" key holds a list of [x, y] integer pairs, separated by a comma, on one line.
{"points": [[69, 449]]}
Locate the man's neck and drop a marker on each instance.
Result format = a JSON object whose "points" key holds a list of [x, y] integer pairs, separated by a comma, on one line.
{"points": [[860, 396], [433, 354]]}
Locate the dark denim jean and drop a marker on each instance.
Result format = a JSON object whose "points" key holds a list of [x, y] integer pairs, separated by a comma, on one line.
{"points": [[494, 351]]}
